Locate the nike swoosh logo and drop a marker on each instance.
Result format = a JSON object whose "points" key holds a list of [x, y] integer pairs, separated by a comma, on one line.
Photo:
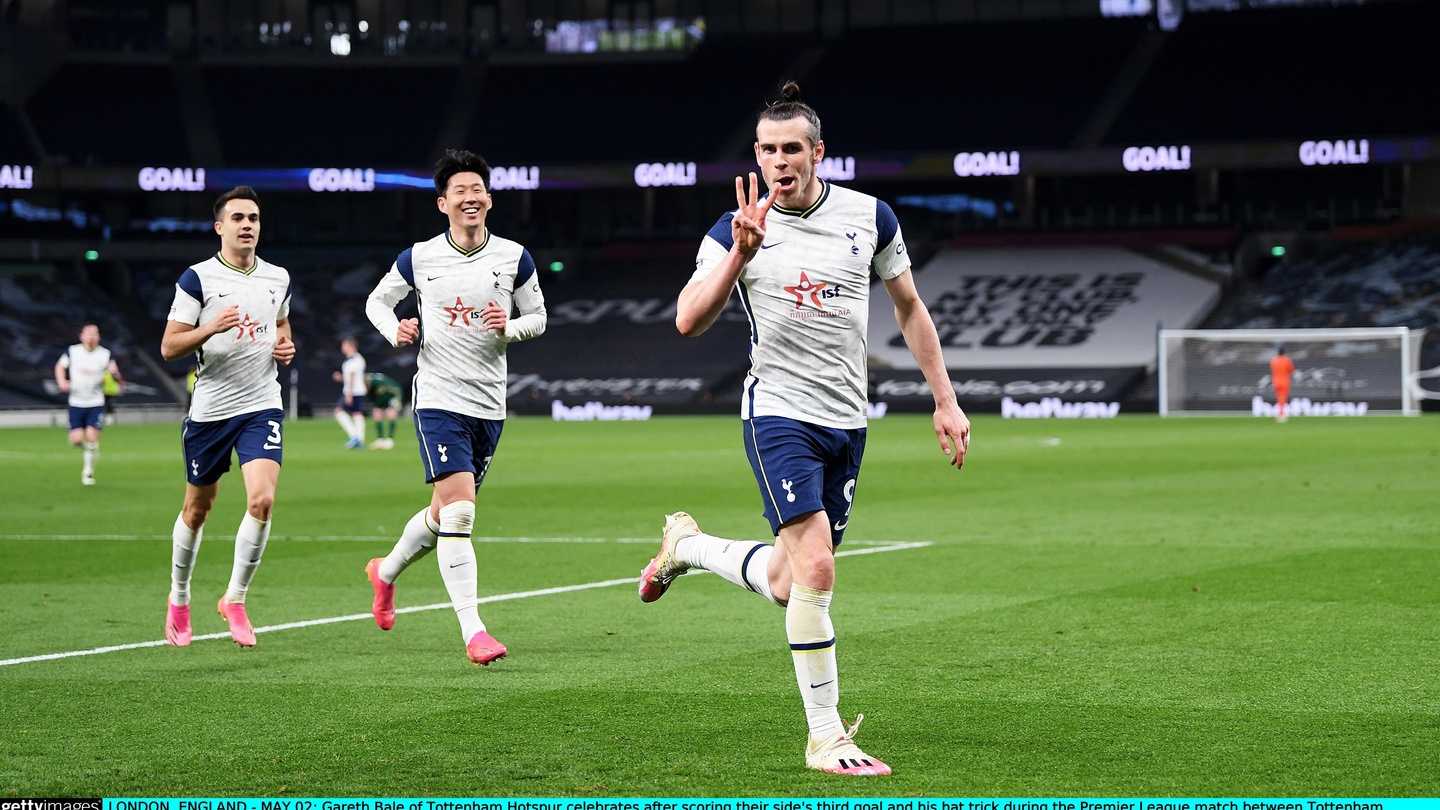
{"points": [[221, 295], [818, 685], [457, 565], [772, 244], [432, 278], [272, 447]]}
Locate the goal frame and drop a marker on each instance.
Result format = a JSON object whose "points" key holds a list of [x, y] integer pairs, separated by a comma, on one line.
{"points": [[1409, 358]]}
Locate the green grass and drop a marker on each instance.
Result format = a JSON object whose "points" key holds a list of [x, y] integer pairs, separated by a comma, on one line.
{"points": [[1137, 607]]}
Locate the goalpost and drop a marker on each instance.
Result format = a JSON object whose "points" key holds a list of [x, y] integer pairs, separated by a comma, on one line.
{"points": [[1338, 372]]}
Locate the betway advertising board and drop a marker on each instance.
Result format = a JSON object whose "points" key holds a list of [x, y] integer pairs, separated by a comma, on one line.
{"points": [[1044, 308], [1015, 393]]}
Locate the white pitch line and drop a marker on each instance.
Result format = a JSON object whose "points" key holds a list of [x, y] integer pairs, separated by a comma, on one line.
{"points": [[355, 617], [353, 538], [333, 538]]}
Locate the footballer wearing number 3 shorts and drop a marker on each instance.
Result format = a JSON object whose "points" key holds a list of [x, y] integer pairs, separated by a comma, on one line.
{"points": [[232, 311]]}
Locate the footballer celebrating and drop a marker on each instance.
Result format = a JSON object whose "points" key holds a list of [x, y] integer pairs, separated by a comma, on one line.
{"points": [[467, 280], [232, 311], [800, 259]]}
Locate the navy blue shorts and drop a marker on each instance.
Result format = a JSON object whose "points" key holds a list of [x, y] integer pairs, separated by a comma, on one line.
{"points": [[803, 468], [357, 404], [208, 444], [452, 442], [87, 417]]}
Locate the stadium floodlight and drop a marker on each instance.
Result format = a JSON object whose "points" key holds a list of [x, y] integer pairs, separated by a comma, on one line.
{"points": [[1214, 372]]}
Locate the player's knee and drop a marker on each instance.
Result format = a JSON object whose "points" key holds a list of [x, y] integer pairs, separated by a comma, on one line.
{"points": [[194, 514], [260, 505], [812, 568], [458, 517]]}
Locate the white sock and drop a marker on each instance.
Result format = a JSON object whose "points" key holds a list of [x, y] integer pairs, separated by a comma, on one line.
{"points": [[417, 540], [344, 419], [92, 452], [185, 544], [743, 562], [456, 555], [812, 645], [357, 426], [249, 546]]}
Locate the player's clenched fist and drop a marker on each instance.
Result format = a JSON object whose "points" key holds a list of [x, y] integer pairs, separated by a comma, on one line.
{"points": [[284, 350], [493, 317], [408, 332], [227, 319]]}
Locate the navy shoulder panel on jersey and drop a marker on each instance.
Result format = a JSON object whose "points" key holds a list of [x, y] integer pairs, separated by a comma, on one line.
{"points": [[525, 270], [720, 232], [886, 224], [190, 283], [407, 266]]}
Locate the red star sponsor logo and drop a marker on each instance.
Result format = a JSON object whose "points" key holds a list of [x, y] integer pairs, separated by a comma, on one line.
{"points": [[807, 287], [460, 313], [246, 328]]}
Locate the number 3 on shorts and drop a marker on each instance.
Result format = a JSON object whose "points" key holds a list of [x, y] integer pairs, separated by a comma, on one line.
{"points": [[272, 442]]}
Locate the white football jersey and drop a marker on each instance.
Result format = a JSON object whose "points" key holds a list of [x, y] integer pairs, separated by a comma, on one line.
{"points": [[807, 295], [237, 371], [87, 374], [461, 367], [352, 375]]}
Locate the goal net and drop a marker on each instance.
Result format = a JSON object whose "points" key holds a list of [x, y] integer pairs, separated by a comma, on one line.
{"points": [[1338, 372]]}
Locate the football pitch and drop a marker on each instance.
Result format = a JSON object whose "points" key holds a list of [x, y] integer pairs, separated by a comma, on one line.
{"points": [[1128, 607]]}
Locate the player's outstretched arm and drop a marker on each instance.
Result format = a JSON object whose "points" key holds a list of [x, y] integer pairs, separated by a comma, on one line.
{"points": [[702, 301], [952, 427]]}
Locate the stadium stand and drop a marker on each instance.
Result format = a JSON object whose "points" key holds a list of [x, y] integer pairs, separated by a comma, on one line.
{"points": [[971, 86], [123, 114], [642, 120], [13, 143], [136, 26], [41, 312], [1384, 283], [328, 116], [1282, 73], [121, 97]]}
